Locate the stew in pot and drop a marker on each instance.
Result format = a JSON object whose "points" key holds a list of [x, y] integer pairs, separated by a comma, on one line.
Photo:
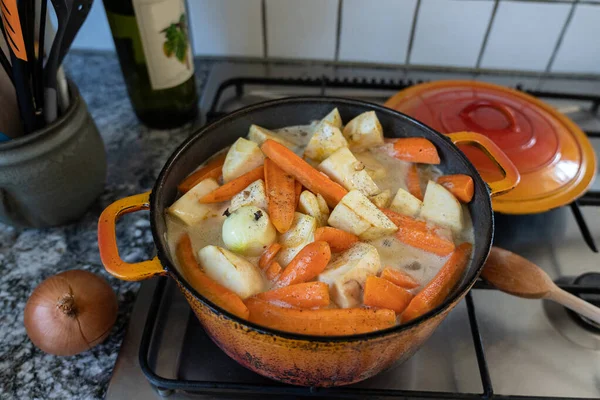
{"points": [[323, 229]]}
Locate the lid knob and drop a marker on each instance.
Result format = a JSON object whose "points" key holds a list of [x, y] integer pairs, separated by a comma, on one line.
{"points": [[466, 115]]}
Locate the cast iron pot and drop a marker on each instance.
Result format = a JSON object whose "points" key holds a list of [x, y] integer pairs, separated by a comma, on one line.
{"points": [[287, 357]]}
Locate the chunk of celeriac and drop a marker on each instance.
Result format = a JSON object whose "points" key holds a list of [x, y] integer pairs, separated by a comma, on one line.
{"points": [[248, 231], [405, 203], [188, 208], [441, 207], [231, 271], [259, 135], [333, 118], [364, 131], [343, 168], [373, 167], [356, 214], [299, 235], [242, 157], [347, 274], [309, 204], [325, 140], [253, 195], [382, 199]]}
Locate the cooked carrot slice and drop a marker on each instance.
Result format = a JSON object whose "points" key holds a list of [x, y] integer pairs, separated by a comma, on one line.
{"points": [[320, 322], [273, 271], [436, 291], [307, 264], [211, 170], [309, 177], [461, 186], [212, 290], [382, 293], [399, 278], [416, 149], [281, 196], [301, 295], [338, 239], [231, 188], [413, 182], [268, 255], [418, 234]]}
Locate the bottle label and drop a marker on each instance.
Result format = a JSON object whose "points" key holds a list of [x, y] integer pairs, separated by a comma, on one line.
{"points": [[165, 39]]}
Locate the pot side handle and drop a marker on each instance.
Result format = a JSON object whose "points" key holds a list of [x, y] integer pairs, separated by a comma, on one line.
{"points": [[510, 172], [107, 241]]}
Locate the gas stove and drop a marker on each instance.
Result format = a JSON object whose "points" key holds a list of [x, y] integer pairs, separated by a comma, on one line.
{"points": [[491, 345]]}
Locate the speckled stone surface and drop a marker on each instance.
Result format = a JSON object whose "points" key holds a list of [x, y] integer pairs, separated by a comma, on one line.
{"points": [[135, 156]]}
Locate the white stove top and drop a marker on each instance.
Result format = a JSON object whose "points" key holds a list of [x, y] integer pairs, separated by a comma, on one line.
{"points": [[532, 347]]}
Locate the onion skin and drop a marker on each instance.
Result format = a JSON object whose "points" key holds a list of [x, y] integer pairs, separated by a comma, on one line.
{"points": [[70, 312]]}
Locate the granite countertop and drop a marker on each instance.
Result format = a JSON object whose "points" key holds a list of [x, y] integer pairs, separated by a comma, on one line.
{"points": [[136, 155]]}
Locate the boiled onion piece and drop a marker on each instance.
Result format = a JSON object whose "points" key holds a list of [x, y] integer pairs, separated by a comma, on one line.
{"points": [[70, 312]]}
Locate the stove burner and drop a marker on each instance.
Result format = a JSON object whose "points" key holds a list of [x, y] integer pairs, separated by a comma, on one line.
{"points": [[574, 327], [590, 279]]}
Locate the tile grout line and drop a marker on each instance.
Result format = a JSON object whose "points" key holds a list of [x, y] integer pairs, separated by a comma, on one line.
{"points": [[338, 37], [559, 41], [263, 7], [413, 30], [486, 36]]}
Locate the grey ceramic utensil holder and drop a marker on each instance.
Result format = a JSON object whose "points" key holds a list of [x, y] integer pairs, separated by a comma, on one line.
{"points": [[50, 177]]}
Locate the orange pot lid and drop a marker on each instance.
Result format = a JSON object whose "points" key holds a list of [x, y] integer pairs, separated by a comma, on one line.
{"points": [[556, 161]]}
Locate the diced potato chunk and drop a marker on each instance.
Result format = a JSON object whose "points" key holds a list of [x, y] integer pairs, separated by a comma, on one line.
{"points": [[299, 235], [322, 204], [325, 140], [242, 157], [334, 118], [441, 207], [254, 195], [343, 168], [347, 274], [309, 204], [231, 271], [356, 214], [373, 167], [405, 203], [188, 208], [259, 135], [382, 199], [364, 131]]}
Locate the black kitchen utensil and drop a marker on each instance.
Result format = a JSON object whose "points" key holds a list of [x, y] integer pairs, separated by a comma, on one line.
{"points": [[20, 67], [39, 62], [61, 8], [79, 10]]}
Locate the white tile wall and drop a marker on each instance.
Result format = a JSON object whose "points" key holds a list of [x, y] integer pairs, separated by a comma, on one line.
{"points": [[580, 49], [377, 31], [450, 32], [524, 34], [226, 27], [302, 29]]}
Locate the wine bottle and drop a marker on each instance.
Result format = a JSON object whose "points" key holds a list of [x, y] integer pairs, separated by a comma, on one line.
{"points": [[152, 42]]}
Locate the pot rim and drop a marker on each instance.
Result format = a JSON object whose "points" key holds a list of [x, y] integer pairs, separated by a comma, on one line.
{"points": [[170, 269]]}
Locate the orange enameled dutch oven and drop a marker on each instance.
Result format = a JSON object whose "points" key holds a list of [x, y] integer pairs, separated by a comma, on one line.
{"points": [[554, 157], [288, 357]]}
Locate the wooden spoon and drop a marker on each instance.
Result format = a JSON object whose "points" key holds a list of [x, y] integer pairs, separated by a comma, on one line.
{"points": [[515, 275]]}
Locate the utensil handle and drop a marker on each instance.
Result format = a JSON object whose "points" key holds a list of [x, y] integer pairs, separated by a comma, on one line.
{"points": [[107, 241], [576, 304], [510, 172]]}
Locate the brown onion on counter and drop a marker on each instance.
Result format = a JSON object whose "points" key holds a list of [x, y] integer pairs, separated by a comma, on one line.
{"points": [[70, 312]]}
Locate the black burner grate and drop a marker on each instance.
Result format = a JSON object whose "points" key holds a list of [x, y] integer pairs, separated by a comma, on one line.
{"points": [[165, 385]]}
